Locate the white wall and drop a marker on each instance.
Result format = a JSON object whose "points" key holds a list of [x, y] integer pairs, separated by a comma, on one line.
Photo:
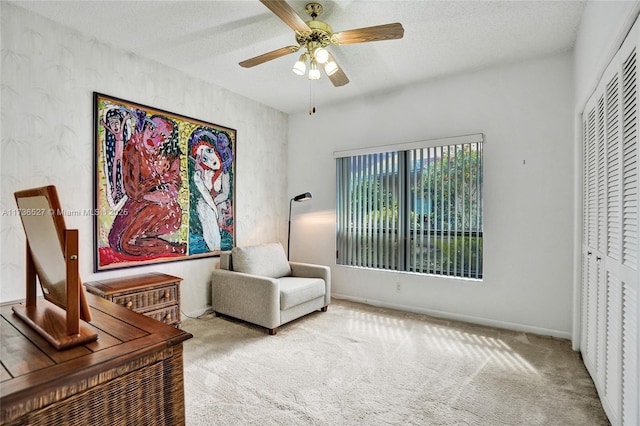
{"points": [[525, 112], [603, 27], [48, 75]]}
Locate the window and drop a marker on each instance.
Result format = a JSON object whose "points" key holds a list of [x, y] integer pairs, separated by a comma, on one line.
{"points": [[412, 207]]}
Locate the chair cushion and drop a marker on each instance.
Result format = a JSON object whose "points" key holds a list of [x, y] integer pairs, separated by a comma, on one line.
{"points": [[296, 290], [267, 260]]}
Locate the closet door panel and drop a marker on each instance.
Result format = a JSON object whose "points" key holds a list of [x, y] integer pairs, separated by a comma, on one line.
{"points": [[630, 351], [630, 163], [591, 238], [613, 376], [613, 178], [612, 380], [601, 235]]}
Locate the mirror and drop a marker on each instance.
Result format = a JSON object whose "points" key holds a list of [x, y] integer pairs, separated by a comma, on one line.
{"points": [[45, 247], [52, 257]]}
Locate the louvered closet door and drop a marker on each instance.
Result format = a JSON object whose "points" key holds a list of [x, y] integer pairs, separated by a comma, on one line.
{"points": [[590, 290], [610, 331], [587, 197], [609, 304], [602, 142], [629, 232]]}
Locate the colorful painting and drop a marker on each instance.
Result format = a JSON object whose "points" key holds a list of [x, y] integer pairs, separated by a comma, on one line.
{"points": [[164, 187]]}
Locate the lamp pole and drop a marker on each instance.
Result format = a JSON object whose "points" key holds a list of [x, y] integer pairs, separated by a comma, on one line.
{"points": [[289, 230], [302, 197]]}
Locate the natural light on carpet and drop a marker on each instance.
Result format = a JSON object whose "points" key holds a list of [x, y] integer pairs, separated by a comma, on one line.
{"points": [[461, 343]]}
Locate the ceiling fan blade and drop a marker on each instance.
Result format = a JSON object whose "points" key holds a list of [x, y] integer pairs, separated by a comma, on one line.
{"points": [[338, 78], [287, 14], [269, 56], [363, 35]]}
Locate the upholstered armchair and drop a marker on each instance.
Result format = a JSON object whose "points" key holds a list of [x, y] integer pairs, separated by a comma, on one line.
{"points": [[259, 285]]}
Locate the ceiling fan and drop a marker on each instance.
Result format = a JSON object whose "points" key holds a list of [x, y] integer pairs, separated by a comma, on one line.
{"points": [[314, 36]]}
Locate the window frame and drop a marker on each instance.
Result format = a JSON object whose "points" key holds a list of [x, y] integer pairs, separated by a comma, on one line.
{"points": [[406, 229]]}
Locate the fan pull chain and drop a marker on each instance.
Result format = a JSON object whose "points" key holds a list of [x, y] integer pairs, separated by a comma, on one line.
{"points": [[312, 99]]}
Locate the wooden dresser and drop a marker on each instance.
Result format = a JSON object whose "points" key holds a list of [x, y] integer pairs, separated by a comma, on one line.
{"points": [[132, 375], [155, 295]]}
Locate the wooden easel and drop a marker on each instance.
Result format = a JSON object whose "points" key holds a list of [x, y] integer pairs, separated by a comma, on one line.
{"points": [[56, 318]]}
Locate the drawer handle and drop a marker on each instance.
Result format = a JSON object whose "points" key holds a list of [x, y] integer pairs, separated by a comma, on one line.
{"points": [[166, 295], [129, 304]]}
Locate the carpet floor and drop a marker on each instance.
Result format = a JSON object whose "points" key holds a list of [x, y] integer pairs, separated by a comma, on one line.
{"points": [[362, 365]]}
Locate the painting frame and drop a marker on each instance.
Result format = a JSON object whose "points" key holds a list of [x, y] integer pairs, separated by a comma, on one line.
{"points": [[164, 185]]}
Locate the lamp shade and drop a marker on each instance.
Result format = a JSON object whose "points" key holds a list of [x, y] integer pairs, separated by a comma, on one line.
{"points": [[302, 197], [330, 68], [299, 68], [321, 55]]}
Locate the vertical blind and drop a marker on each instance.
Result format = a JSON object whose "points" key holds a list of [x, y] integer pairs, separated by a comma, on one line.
{"points": [[412, 207]]}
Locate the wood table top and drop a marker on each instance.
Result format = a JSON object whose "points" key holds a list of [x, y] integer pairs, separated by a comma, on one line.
{"points": [[29, 363]]}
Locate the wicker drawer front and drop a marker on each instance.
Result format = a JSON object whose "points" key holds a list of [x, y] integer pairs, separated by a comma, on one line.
{"points": [[142, 301], [168, 315], [152, 294]]}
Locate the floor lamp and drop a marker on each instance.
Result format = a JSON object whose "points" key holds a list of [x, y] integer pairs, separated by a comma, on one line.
{"points": [[302, 197]]}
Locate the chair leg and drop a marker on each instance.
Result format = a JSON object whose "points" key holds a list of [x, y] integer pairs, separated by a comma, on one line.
{"points": [[324, 308], [273, 331]]}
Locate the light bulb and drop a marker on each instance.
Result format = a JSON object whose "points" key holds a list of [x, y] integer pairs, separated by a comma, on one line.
{"points": [[314, 72], [321, 55], [330, 68]]}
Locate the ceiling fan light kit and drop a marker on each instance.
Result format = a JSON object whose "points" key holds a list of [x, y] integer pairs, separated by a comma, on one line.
{"points": [[318, 56], [315, 36]]}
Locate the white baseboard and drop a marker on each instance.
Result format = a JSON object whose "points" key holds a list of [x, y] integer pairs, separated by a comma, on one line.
{"points": [[459, 317], [435, 313]]}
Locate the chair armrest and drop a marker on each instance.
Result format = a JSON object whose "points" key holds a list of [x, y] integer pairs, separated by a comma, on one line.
{"points": [[247, 297], [309, 270]]}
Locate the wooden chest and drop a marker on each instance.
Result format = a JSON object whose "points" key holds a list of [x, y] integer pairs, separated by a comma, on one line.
{"points": [[155, 295], [132, 375]]}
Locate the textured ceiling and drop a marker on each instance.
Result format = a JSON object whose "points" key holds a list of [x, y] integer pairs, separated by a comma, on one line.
{"points": [[207, 39]]}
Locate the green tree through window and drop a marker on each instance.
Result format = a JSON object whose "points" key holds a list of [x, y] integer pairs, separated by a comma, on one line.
{"points": [[417, 210]]}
